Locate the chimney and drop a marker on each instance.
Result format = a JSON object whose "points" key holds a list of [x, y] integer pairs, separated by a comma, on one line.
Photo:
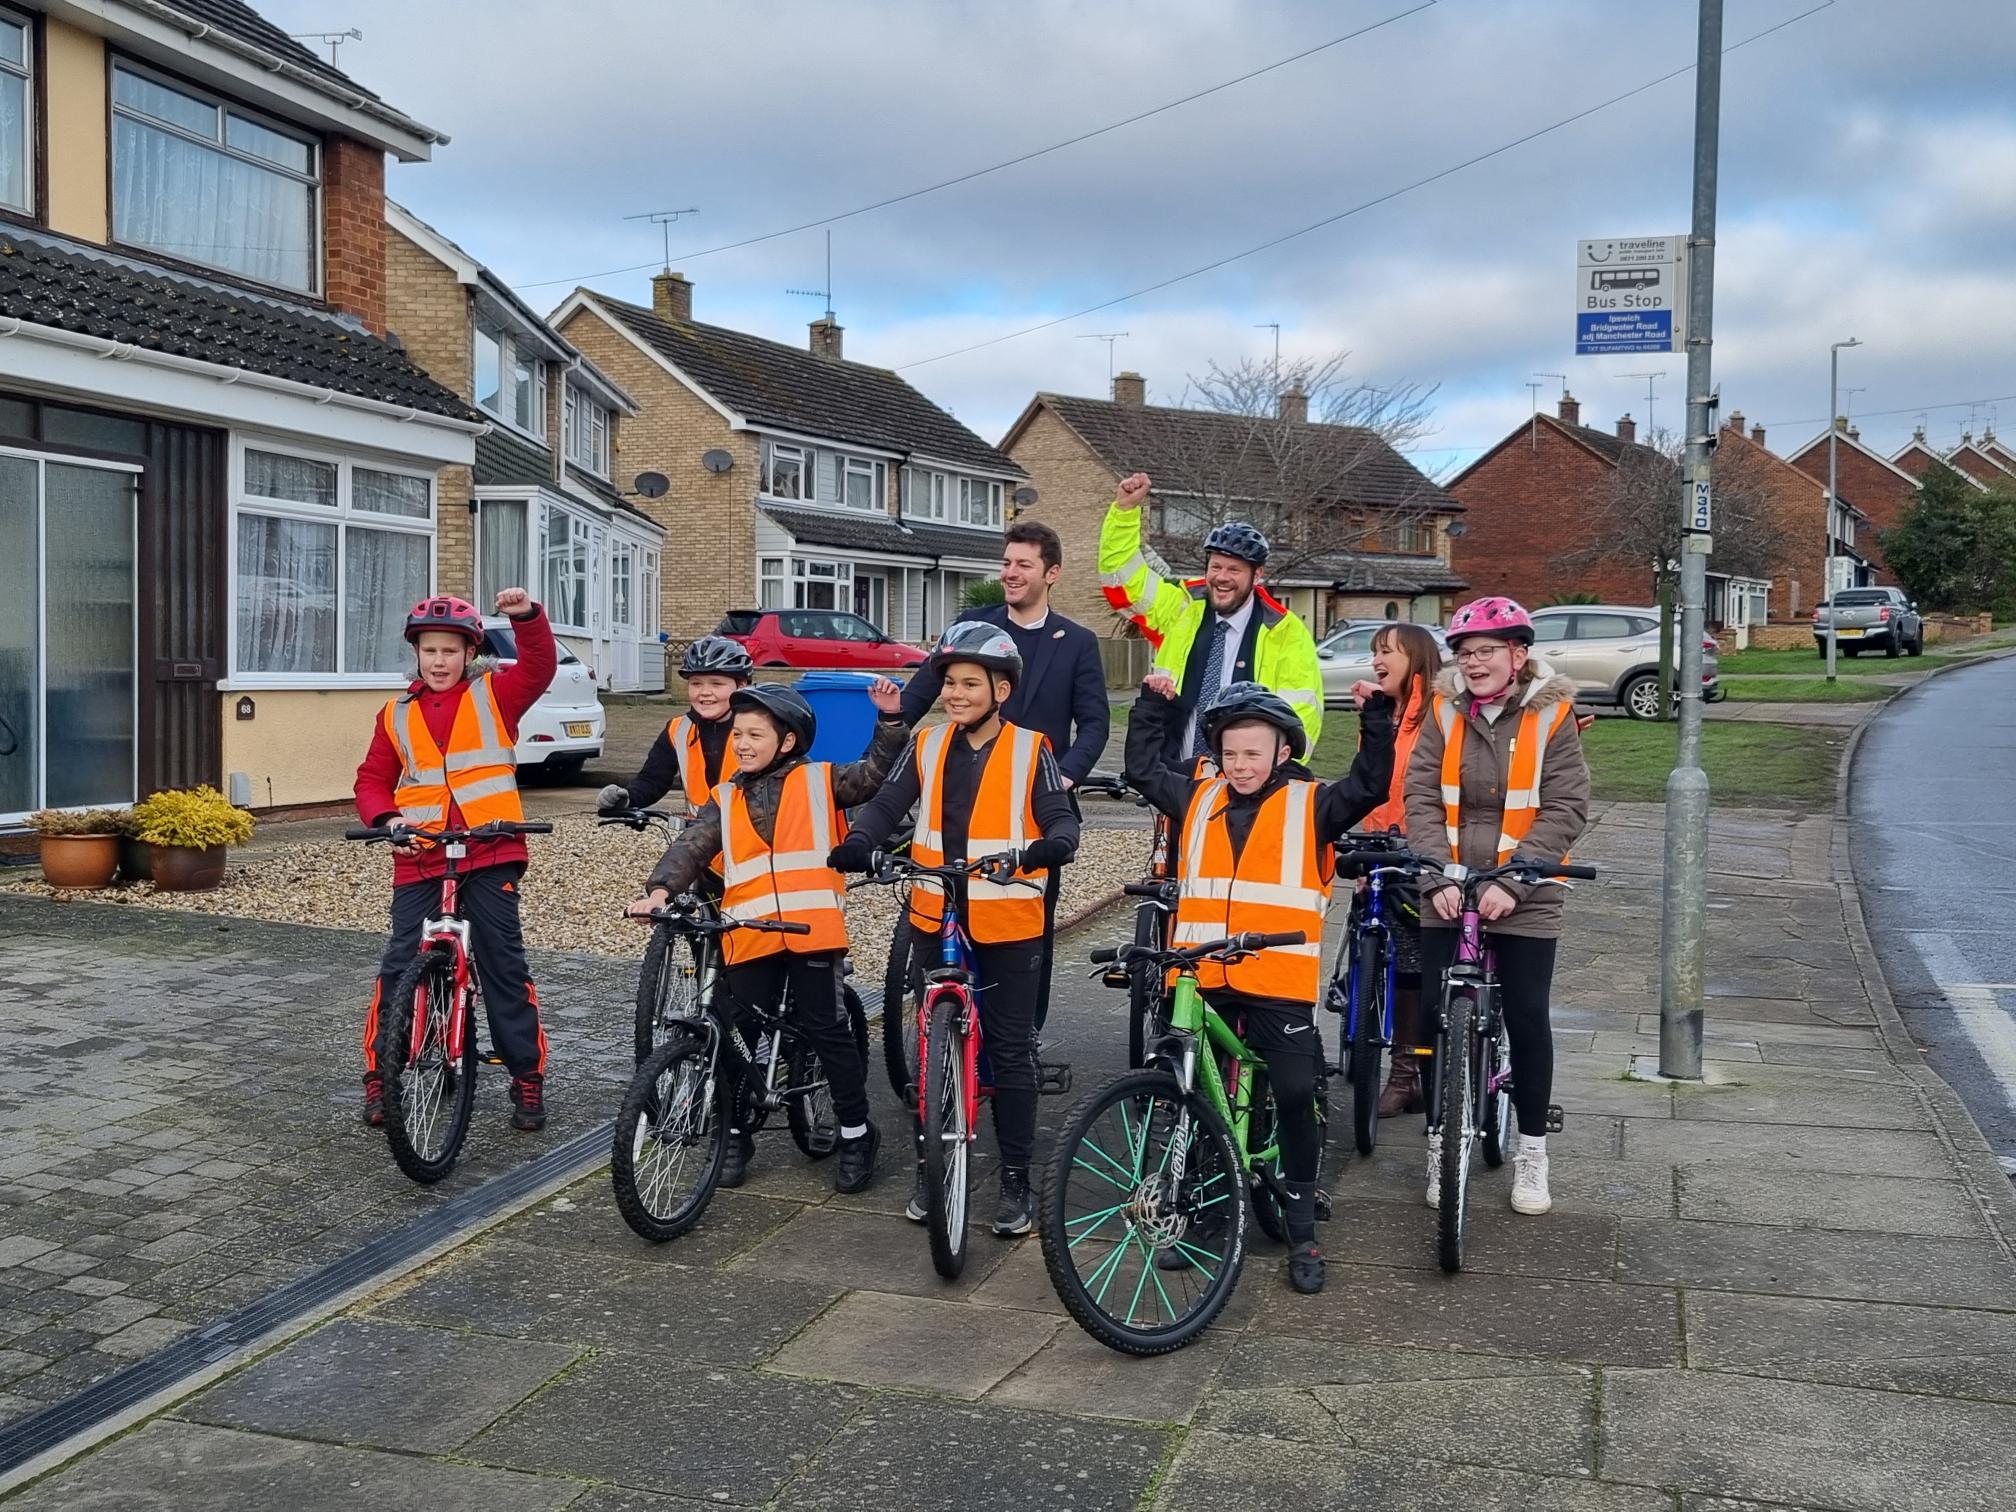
{"points": [[1841, 422], [1918, 434], [1627, 428], [1854, 433], [1757, 434], [1130, 389], [826, 334], [1294, 406], [1734, 422], [671, 296], [1571, 411]]}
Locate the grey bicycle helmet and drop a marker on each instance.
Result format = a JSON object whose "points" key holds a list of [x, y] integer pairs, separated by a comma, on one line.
{"points": [[1242, 701], [716, 656], [785, 705], [1235, 538], [983, 644]]}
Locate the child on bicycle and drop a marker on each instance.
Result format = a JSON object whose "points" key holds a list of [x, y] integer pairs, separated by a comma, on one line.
{"points": [[1498, 771], [979, 776], [1255, 848], [693, 753], [442, 755], [771, 826]]}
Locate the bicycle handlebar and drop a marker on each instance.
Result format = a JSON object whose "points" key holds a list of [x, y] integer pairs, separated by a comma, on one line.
{"points": [[499, 829], [702, 918], [635, 819], [1469, 878], [1239, 944], [885, 869], [1108, 785], [1157, 890]]}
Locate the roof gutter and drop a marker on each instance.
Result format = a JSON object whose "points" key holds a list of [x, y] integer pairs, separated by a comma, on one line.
{"points": [[121, 351]]}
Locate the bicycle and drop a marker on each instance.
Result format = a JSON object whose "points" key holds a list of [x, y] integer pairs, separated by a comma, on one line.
{"points": [[704, 1076], [954, 1074], [1154, 919], [670, 981], [1362, 987], [1173, 1151], [427, 1053], [1473, 1054]]}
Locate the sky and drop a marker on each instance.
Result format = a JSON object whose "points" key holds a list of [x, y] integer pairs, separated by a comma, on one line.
{"points": [[1868, 187]]}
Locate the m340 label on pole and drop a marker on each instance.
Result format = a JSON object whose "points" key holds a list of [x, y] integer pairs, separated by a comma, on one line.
{"points": [[1631, 295]]}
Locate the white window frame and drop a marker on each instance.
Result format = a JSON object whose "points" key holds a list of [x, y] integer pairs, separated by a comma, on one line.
{"points": [[807, 457], [623, 583], [926, 494], [225, 107], [508, 349], [25, 72], [836, 572], [586, 445], [585, 528], [530, 498], [878, 484], [343, 516], [773, 570], [992, 504], [648, 588]]}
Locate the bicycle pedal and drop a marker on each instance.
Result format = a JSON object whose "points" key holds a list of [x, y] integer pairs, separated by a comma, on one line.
{"points": [[1555, 1118], [489, 1057], [1053, 1078]]}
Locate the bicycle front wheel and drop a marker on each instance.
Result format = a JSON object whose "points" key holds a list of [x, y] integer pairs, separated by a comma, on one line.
{"points": [[1368, 1028], [668, 987], [1144, 988], [948, 1137], [899, 1015], [671, 1137], [1144, 1219], [429, 1094], [1455, 1069], [1500, 1122]]}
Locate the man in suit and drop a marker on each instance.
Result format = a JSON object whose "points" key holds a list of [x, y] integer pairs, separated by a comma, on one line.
{"points": [[1063, 688]]}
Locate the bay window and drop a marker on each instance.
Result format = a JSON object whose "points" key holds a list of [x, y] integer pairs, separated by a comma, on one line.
{"points": [[647, 593], [510, 382], [570, 548], [206, 182], [503, 531], [329, 556], [16, 134], [770, 583]]}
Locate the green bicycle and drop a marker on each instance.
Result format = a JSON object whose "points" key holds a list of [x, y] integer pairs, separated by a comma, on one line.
{"points": [[1143, 1220]]}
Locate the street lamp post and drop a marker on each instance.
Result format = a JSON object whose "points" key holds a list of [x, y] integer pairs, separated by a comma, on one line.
{"points": [[1827, 515]]}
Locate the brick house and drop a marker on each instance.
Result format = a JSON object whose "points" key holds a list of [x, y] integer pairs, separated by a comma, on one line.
{"points": [[1987, 462], [542, 507], [1917, 456], [220, 480], [1076, 451], [1877, 486], [800, 480]]}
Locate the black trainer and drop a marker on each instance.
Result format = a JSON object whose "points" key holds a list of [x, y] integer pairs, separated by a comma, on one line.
{"points": [[1305, 1267], [919, 1207], [735, 1160], [528, 1095], [856, 1167], [1017, 1213]]}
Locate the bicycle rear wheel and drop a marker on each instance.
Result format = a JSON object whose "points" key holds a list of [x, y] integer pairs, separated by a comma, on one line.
{"points": [[1369, 1004], [671, 1137], [1456, 1066], [1142, 1169], [1261, 1132], [808, 1106], [668, 987], [429, 1097], [1500, 1123], [899, 1015], [948, 1139]]}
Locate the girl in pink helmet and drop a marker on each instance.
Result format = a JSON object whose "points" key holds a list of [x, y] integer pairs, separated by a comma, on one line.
{"points": [[1497, 711]]}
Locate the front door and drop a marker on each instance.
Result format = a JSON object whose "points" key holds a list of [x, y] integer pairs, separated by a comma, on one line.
{"points": [[68, 684], [622, 615]]}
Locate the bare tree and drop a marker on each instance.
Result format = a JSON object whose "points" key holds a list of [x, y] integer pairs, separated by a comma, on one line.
{"points": [[1299, 450]]}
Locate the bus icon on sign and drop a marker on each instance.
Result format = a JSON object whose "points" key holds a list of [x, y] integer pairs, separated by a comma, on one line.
{"points": [[1603, 280]]}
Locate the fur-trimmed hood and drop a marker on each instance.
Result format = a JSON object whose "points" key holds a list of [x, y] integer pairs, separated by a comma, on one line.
{"points": [[1546, 689]]}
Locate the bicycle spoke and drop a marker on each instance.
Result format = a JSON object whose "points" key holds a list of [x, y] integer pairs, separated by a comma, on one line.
{"points": [[1127, 1185]]}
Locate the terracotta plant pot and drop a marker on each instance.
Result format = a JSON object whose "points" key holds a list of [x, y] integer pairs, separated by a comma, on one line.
{"points": [[181, 868], [79, 860], [136, 859]]}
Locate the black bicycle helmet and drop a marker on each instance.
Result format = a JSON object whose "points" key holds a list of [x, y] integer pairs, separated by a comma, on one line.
{"points": [[716, 656], [786, 705], [1235, 538], [983, 644], [1250, 700]]}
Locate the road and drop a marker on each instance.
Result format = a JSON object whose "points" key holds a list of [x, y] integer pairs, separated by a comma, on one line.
{"points": [[1934, 848]]}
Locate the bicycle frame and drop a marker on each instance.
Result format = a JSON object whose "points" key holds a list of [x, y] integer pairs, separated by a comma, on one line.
{"points": [[453, 930], [1194, 1019], [955, 954], [1372, 916]]}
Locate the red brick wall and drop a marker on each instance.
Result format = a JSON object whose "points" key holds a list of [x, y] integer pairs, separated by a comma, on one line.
{"points": [[353, 229], [1870, 487], [1792, 504]]}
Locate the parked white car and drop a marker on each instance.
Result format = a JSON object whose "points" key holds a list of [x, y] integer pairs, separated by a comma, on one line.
{"points": [[1345, 657], [562, 732]]}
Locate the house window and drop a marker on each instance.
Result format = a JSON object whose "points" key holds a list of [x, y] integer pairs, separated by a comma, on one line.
{"points": [[203, 181], [16, 177], [330, 556], [770, 583], [569, 556], [647, 593], [502, 547], [510, 382], [979, 502], [786, 474], [925, 493], [821, 585], [586, 433], [862, 484]]}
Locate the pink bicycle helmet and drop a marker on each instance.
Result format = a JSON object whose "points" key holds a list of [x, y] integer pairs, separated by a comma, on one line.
{"points": [[1501, 617], [456, 616]]}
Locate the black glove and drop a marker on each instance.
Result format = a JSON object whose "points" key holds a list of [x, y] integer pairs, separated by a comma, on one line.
{"points": [[1040, 855], [850, 856], [613, 799]]}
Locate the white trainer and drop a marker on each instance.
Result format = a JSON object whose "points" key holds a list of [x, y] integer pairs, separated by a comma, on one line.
{"points": [[1529, 1177], [1433, 1197]]}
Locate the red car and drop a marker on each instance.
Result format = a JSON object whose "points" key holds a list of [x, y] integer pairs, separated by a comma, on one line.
{"points": [[815, 638]]}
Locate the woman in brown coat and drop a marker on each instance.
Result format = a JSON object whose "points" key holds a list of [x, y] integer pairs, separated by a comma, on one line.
{"points": [[1501, 694]]}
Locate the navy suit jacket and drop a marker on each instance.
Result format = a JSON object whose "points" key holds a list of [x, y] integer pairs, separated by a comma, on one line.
{"points": [[1062, 691]]}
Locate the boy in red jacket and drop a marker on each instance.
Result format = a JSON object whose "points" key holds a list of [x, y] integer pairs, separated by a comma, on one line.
{"points": [[446, 633]]}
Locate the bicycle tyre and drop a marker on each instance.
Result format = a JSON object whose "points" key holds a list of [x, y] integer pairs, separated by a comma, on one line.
{"points": [[948, 1142], [672, 1069], [1144, 988], [1499, 1122], [899, 1016], [1368, 1033], [1260, 1133], [416, 1095], [668, 986], [1210, 1150], [814, 1124], [1452, 1078]]}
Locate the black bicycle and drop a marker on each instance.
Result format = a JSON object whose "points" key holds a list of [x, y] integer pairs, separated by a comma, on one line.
{"points": [[1154, 922], [1363, 983], [675, 963]]}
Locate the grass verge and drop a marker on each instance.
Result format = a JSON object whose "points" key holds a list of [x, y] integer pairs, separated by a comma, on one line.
{"points": [[1807, 690]]}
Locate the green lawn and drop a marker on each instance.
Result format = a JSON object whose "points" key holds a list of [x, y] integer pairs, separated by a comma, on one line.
{"points": [[1807, 690], [1751, 663]]}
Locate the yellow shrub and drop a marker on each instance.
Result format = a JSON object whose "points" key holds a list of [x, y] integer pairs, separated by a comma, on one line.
{"points": [[195, 817]]}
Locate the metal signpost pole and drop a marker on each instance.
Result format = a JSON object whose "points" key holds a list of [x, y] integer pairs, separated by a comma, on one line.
{"points": [[1683, 946], [1827, 524]]}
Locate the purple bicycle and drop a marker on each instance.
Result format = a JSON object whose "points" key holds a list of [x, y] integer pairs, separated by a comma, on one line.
{"points": [[1472, 1064]]}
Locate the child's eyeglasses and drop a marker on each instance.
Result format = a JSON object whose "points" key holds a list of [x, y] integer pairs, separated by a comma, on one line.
{"points": [[1481, 653]]}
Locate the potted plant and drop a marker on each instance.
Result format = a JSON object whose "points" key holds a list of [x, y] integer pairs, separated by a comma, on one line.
{"points": [[78, 849], [136, 858], [186, 831]]}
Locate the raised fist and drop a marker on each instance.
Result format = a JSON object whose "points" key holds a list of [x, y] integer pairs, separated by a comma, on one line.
{"points": [[514, 602], [1133, 491]]}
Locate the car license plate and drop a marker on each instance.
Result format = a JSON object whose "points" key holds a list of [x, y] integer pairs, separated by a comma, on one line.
{"points": [[580, 730], [1846, 634]]}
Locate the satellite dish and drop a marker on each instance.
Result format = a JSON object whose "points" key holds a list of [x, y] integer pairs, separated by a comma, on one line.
{"points": [[717, 461], [1025, 496], [653, 485]]}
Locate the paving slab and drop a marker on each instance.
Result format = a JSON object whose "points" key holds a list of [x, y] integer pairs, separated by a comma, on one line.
{"points": [[1076, 1373], [915, 1343], [583, 1221], [1816, 1263], [1498, 1241], [1021, 1281], [425, 1390], [1587, 1184], [1869, 1104], [878, 1252], [1806, 1147], [1734, 1330], [1819, 1199]]}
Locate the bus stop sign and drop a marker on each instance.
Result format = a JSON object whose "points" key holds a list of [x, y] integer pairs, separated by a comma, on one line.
{"points": [[1631, 295]]}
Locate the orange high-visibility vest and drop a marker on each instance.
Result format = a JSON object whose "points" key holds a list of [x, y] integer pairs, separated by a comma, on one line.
{"points": [[787, 878], [1280, 882], [478, 771], [1003, 819], [684, 734], [1522, 783]]}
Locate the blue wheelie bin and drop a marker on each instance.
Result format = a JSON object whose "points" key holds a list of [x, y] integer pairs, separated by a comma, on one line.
{"points": [[846, 718]]}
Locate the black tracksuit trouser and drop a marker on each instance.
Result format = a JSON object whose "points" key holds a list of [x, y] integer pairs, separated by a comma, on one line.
{"points": [[812, 986]]}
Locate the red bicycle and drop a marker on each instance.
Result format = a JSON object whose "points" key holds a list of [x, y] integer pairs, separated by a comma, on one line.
{"points": [[427, 1052]]}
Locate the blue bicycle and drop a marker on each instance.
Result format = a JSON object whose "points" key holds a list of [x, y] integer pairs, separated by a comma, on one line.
{"points": [[1361, 990]]}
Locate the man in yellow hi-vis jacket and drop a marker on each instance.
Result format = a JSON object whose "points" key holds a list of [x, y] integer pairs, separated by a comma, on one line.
{"points": [[1211, 631]]}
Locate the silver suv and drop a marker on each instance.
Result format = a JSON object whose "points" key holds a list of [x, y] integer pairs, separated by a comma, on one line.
{"points": [[1612, 652]]}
